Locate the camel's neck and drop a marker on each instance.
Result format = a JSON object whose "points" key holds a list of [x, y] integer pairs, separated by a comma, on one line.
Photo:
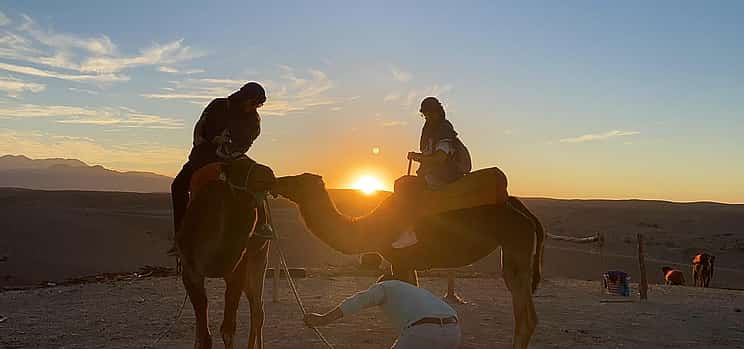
{"points": [[329, 225]]}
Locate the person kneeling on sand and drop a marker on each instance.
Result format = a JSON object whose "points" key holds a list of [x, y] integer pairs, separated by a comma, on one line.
{"points": [[424, 320]]}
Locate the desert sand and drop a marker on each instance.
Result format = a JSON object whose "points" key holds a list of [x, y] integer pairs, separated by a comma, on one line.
{"points": [[51, 236], [133, 314]]}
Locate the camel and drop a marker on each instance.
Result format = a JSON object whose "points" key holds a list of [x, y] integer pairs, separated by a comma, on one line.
{"points": [[702, 269], [448, 240], [215, 241]]}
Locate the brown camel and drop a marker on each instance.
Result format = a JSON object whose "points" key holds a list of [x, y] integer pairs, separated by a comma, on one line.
{"points": [[216, 242], [448, 240]]}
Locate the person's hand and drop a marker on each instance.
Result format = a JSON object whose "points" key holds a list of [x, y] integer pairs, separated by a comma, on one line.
{"points": [[314, 320], [414, 156], [220, 139]]}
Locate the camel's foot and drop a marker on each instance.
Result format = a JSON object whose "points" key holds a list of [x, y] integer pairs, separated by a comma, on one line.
{"points": [[454, 298]]}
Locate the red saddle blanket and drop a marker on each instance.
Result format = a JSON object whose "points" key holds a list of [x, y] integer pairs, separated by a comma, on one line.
{"points": [[209, 173], [243, 174]]}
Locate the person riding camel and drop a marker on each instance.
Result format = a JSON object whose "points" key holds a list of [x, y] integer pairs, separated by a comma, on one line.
{"points": [[442, 156], [225, 131]]}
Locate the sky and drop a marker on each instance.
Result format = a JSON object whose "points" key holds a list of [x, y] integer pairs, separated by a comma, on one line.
{"points": [[571, 99]]}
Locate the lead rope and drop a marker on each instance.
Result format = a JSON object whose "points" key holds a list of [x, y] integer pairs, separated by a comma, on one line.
{"points": [[283, 263]]}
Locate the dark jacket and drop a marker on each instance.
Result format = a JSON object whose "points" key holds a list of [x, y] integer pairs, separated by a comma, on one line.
{"points": [[441, 135], [222, 117]]}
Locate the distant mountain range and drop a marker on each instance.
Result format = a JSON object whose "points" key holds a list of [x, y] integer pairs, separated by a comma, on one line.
{"points": [[18, 171]]}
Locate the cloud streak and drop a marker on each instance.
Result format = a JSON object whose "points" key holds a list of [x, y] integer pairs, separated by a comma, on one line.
{"points": [[399, 75], [292, 93], [599, 136], [14, 87], [45, 53], [116, 117]]}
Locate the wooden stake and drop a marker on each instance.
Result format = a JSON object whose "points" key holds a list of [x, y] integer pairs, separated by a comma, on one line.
{"points": [[642, 265]]}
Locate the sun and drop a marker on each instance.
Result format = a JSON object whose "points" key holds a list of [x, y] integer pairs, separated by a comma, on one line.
{"points": [[367, 184]]}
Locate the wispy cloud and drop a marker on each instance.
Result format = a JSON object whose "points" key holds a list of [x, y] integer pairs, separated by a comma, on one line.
{"points": [[117, 117], [13, 87], [173, 70], [394, 123], [4, 20], [391, 97], [599, 136], [414, 96], [56, 75], [82, 90], [46, 53], [293, 92], [400, 75], [131, 156], [18, 111]]}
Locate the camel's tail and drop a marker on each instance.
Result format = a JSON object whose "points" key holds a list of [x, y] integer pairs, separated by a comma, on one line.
{"points": [[537, 263]]}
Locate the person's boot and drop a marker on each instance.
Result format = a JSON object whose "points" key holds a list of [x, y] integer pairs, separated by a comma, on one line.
{"points": [[263, 228], [173, 250]]}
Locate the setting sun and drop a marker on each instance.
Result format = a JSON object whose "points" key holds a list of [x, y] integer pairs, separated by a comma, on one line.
{"points": [[368, 184]]}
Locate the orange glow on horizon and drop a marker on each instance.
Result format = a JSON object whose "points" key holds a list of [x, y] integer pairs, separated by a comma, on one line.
{"points": [[368, 185]]}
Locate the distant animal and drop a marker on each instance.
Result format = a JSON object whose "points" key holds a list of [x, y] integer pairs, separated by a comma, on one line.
{"points": [[673, 276], [702, 269]]}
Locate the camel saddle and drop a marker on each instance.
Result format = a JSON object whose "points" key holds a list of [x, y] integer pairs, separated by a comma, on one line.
{"points": [[242, 174], [482, 187]]}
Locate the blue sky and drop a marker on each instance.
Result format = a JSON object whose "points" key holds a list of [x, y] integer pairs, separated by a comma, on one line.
{"points": [[571, 99]]}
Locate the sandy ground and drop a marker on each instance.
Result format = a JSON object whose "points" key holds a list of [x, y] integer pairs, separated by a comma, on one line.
{"points": [[56, 235], [131, 314]]}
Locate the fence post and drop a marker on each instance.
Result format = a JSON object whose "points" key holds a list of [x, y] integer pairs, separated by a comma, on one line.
{"points": [[642, 264]]}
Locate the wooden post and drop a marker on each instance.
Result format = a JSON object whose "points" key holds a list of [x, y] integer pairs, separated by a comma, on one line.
{"points": [[642, 265], [277, 273]]}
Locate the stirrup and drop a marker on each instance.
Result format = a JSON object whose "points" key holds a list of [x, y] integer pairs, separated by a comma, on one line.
{"points": [[264, 231]]}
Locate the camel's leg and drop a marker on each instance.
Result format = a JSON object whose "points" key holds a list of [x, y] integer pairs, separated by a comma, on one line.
{"points": [[518, 277], [406, 274], [233, 289], [256, 272], [194, 285]]}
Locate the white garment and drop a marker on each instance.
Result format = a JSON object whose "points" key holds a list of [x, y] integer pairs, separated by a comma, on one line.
{"points": [[429, 336], [401, 302]]}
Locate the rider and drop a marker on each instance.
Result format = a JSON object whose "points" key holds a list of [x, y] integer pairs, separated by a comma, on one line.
{"points": [[224, 132], [443, 158]]}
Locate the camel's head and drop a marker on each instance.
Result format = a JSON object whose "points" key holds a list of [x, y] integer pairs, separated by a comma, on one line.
{"points": [[299, 188]]}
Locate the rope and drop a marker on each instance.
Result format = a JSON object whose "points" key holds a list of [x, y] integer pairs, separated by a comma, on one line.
{"points": [[175, 321], [283, 263], [594, 238]]}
